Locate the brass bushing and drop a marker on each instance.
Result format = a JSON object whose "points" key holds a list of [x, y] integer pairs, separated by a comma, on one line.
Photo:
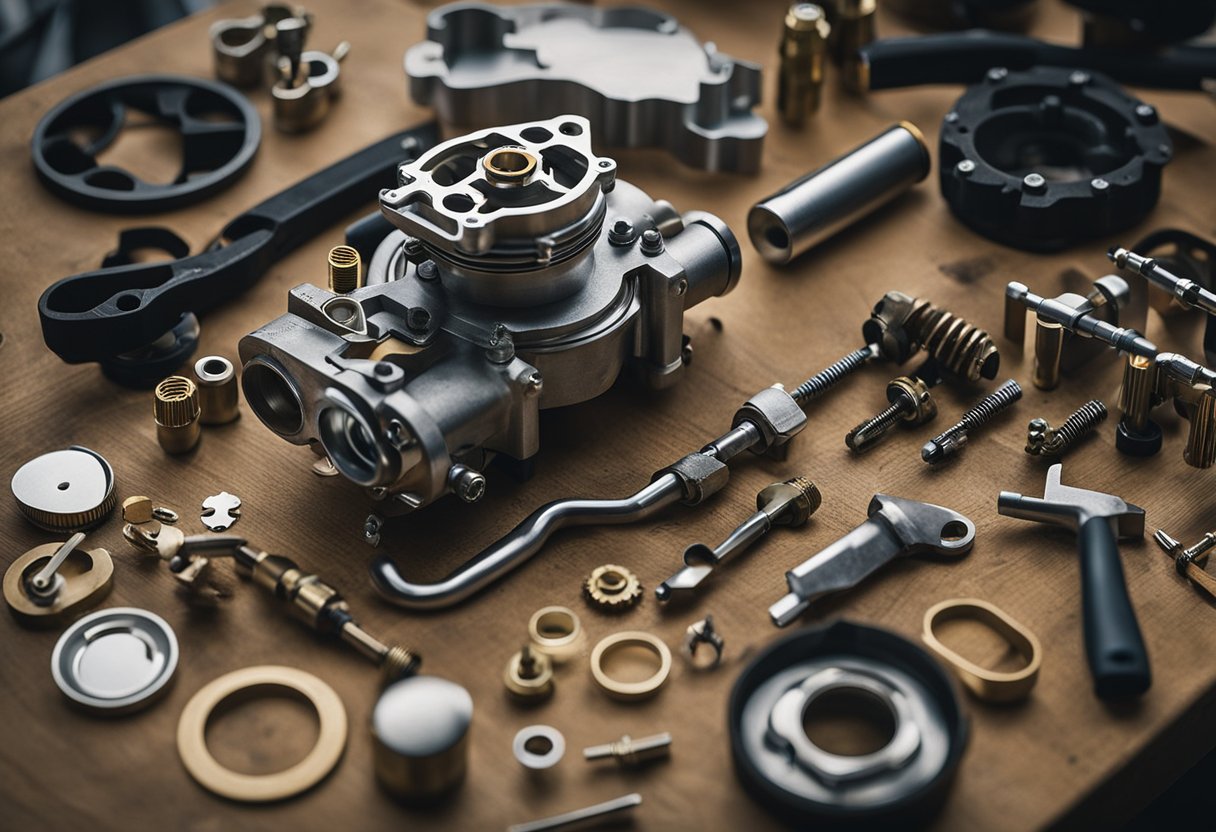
{"points": [[217, 390], [420, 729], [345, 269], [176, 410]]}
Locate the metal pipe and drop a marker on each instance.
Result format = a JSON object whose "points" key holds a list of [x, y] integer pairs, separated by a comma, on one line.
{"points": [[813, 208]]}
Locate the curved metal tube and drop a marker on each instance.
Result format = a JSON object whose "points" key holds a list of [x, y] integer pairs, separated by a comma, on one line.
{"points": [[521, 543]]}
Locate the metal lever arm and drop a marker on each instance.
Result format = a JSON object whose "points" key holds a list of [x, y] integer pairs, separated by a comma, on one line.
{"points": [[102, 313]]}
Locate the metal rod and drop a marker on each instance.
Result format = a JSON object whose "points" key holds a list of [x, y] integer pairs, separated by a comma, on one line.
{"points": [[608, 810]]}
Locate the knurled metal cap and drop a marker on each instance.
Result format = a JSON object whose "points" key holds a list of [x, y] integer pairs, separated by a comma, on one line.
{"points": [[69, 490]]}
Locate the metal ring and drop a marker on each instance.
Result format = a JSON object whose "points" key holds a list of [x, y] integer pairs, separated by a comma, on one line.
{"points": [[556, 632], [539, 760], [989, 685], [630, 690], [251, 788]]}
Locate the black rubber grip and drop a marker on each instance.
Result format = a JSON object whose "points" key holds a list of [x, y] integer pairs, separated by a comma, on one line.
{"points": [[1117, 657]]}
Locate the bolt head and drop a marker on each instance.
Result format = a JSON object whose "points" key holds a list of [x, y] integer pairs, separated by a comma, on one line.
{"points": [[427, 270], [1034, 183], [1099, 184], [1146, 114], [1079, 78], [966, 167], [997, 74]]}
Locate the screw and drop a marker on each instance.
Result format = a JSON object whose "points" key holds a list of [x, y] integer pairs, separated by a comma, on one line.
{"points": [[652, 242], [469, 485], [830, 376], [1145, 114], [533, 382], [427, 270], [621, 233], [527, 663], [679, 287], [502, 346], [1099, 184], [910, 401], [966, 167], [997, 74], [1078, 78], [417, 318], [1034, 183], [952, 439], [1044, 440]]}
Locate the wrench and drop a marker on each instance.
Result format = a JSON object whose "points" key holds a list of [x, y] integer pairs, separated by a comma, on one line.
{"points": [[897, 528]]}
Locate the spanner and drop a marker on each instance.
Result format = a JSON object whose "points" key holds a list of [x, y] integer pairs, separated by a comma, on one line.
{"points": [[897, 528]]}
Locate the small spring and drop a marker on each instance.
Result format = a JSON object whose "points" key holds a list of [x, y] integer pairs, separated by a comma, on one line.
{"points": [[825, 379], [1055, 442], [963, 349], [992, 404]]}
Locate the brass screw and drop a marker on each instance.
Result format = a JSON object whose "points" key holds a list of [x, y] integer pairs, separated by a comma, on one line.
{"points": [[911, 402], [176, 410], [345, 269]]}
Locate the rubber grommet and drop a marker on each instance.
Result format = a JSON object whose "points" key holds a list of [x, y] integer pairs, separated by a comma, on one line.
{"points": [[1138, 443]]}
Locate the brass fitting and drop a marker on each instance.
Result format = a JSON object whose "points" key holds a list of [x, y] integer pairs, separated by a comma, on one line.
{"points": [[218, 397], [852, 28], [901, 324], [529, 675], [804, 41], [345, 269], [789, 503], [176, 410]]}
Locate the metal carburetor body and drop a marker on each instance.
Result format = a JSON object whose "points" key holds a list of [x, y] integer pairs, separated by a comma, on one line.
{"points": [[523, 276]]}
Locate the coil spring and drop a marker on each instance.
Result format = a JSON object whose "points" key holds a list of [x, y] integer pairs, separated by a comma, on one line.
{"points": [[963, 349], [825, 379], [1043, 440]]}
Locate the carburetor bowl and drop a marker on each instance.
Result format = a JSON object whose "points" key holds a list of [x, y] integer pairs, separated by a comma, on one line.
{"points": [[523, 275]]}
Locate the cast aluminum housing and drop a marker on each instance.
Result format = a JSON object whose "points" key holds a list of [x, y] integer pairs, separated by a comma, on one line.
{"points": [[523, 276]]}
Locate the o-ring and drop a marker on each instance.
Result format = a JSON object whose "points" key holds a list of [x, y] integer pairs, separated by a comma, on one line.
{"points": [[630, 690], [549, 738]]}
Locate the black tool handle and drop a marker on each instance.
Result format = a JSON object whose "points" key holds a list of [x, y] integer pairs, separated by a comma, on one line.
{"points": [[1117, 657]]}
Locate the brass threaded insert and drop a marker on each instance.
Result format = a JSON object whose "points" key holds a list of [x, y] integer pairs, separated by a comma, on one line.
{"points": [[810, 490], [345, 269], [176, 410]]}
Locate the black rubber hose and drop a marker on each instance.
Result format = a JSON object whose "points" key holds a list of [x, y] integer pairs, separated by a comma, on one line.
{"points": [[964, 58]]}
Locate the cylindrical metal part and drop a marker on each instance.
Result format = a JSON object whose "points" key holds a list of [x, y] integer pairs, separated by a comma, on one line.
{"points": [[217, 390], [1136, 392], [811, 209], [420, 729], [1200, 451], [176, 410], [804, 39], [345, 269], [852, 28], [1048, 350]]}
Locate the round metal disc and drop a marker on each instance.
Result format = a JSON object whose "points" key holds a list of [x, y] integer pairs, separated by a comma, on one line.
{"points": [[68, 490], [115, 660]]}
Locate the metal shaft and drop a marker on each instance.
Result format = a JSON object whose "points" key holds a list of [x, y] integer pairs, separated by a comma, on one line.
{"points": [[952, 440], [833, 374], [46, 577], [610, 810], [1082, 323], [868, 433], [1187, 292]]}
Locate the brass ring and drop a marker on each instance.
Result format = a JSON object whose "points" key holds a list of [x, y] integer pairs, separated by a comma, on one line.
{"points": [[630, 690], [989, 685], [253, 788], [556, 632]]}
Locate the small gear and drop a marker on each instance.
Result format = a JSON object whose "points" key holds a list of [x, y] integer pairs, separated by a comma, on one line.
{"points": [[612, 588]]}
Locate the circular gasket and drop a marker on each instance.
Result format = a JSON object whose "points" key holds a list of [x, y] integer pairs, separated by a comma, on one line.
{"points": [[612, 588], [642, 689], [115, 661], [1045, 158], [897, 797], [538, 747], [220, 132], [556, 632], [255, 788]]}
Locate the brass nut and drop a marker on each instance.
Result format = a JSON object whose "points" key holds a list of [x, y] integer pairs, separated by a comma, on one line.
{"points": [[217, 390], [612, 588], [345, 269], [176, 410], [529, 675], [137, 510]]}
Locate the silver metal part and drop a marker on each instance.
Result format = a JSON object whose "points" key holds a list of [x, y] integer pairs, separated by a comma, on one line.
{"points": [[44, 586], [698, 633], [897, 528], [954, 438], [777, 743], [502, 295], [69, 490], [420, 729], [630, 752], [610, 811], [815, 207], [1079, 321], [307, 88], [538, 747], [220, 511], [217, 390], [115, 660], [1071, 507], [243, 48], [641, 78], [1187, 292]]}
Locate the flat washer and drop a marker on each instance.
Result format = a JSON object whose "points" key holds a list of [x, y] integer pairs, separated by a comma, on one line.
{"points": [[214, 153], [539, 760], [255, 788], [630, 690], [116, 660], [65, 491]]}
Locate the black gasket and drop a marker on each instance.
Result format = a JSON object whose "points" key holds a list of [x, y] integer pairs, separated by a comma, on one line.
{"points": [[1098, 151], [844, 638], [220, 132]]}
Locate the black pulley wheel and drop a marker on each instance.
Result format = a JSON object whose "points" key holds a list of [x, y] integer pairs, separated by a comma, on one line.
{"points": [[220, 131], [1050, 157], [898, 785]]}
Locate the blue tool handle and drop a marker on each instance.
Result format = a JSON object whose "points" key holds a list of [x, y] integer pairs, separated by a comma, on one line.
{"points": [[1118, 660]]}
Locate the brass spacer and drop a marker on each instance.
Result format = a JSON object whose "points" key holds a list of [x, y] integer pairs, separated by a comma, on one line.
{"points": [[556, 632], [345, 268], [176, 409], [630, 690], [217, 390], [989, 685]]}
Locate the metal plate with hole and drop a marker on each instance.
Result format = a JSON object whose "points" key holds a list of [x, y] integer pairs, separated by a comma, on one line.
{"points": [[69, 490], [220, 131], [903, 781], [115, 661]]}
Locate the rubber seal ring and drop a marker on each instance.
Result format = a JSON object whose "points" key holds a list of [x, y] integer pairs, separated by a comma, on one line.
{"points": [[630, 690], [253, 788], [988, 685], [533, 760]]}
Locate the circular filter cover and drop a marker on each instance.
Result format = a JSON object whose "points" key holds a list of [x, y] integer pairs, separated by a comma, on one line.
{"points": [[67, 490], [115, 660]]}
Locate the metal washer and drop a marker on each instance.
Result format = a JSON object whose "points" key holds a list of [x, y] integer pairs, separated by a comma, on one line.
{"points": [[536, 760], [116, 660], [65, 491]]}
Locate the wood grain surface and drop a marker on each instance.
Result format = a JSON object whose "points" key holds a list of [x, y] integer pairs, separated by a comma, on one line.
{"points": [[1061, 758]]}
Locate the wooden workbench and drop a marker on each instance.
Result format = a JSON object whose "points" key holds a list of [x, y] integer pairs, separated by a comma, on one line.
{"points": [[1063, 757]]}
